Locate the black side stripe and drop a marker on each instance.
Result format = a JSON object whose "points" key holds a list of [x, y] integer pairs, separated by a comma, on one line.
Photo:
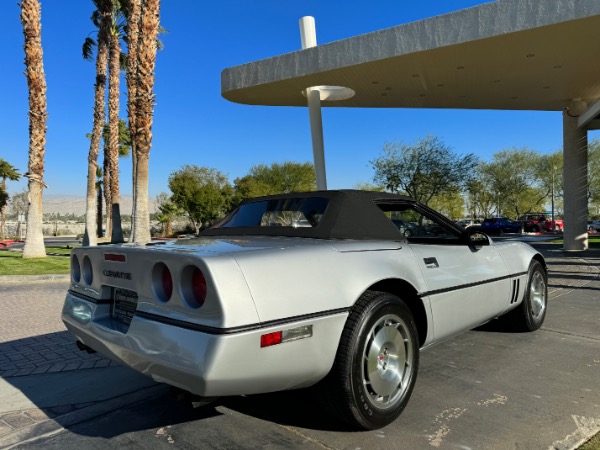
{"points": [[241, 329], [470, 285]]}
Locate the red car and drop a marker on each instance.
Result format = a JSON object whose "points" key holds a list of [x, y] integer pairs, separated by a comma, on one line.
{"points": [[541, 222]]}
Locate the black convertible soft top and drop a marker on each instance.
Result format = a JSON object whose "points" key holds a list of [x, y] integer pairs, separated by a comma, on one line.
{"points": [[349, 214]]}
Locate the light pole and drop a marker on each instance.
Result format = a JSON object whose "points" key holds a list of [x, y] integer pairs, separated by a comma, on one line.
{"points": [[315, 95]]}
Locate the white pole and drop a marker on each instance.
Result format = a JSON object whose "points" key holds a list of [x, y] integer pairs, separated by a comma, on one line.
{"points": [[316, 131], [308, 32], [308, 36]]}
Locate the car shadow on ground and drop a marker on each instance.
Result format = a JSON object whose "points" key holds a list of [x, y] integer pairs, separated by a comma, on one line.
{"points": [[297, 408], [52, 378]]}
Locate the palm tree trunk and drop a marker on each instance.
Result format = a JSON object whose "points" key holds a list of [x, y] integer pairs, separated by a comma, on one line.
{"points": [[144, 108], [91, 232], [38, 114], [133, 33], [113, 135], [99, 232], [89, 236], [107, 198], [3, 214]]}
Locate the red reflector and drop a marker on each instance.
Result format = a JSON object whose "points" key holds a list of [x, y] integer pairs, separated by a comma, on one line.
{"points": [[114, 257], [267, 340], [167, 282], [199, 286]]}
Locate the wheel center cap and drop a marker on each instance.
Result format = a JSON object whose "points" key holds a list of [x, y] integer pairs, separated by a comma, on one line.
{"points": [[383, 359]]}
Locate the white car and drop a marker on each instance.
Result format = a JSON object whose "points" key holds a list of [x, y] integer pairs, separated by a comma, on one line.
{"points": [[344, 303]]}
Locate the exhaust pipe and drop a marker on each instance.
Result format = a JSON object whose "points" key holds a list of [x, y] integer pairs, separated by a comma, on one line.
{"points": [[185, 396], [83, 347]]}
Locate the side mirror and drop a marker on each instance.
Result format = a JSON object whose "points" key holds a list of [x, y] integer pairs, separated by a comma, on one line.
{"points": [[477, 237]]}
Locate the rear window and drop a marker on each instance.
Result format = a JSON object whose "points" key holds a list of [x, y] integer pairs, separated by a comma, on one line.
{"points": [[288, 212]]}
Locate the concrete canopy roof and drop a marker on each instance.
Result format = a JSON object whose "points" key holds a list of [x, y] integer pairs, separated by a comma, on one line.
{"points": [[508, 54]]}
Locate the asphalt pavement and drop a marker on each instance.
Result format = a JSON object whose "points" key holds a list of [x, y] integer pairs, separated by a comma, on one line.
{"points": [[486, 389]]}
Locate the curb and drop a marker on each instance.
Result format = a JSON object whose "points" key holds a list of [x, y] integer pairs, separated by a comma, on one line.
{"points": [[54, 426], [49, 278]]}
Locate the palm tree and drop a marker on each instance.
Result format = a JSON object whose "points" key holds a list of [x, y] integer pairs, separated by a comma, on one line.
{"points": [[38, 115], [132, 12], [114, 82], [102, 19], [7, 172], [144, 101], [124, 147]]}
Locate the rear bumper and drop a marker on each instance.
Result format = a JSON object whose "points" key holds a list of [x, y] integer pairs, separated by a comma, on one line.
{"points": [[208, 364]]}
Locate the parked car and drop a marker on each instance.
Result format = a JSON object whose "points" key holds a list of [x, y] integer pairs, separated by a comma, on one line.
{"points": [[594, 225], [541, 222], [406, 228], [498, 225], [465, 223], [344, 305]]}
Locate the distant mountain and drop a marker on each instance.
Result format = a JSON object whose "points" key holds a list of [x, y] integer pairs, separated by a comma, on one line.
{"points": [[75, 204]]}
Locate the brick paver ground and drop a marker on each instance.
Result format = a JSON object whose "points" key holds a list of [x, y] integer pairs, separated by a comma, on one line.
{"points": [[33, 339]]}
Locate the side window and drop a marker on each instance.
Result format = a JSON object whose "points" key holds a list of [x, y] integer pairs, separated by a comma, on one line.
{"points": [[418, 227]]}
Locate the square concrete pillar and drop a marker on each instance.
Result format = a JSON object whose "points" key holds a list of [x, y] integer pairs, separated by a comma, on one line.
{"points": [[575, 179]]}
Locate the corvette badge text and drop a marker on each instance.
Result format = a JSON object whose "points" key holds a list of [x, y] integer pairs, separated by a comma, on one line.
{"points": [[113, 274]]}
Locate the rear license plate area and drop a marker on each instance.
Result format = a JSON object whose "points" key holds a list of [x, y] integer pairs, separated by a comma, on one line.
{"points": [[123, 306]]}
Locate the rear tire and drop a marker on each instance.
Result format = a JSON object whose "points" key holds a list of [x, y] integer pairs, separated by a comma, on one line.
{"points": [[376, 365], [530, 314]]}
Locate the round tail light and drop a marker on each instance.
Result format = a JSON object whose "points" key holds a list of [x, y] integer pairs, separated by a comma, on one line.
{"points": [[167, 282], [193, 286], [199, 286], [88, 271], [75, 269], [162, 282]]}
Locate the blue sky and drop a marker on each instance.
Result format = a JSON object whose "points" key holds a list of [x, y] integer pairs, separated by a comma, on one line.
{"points": [[193, 124]]}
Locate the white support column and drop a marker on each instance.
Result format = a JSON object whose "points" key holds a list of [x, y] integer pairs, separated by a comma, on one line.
{"points": [[575, 155], [316, 132], [308, 36]]}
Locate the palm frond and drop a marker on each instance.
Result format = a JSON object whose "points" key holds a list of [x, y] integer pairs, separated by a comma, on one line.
{"points": [[88, 48]]}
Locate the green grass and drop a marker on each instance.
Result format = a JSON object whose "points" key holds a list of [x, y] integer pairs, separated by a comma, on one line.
{"points": [[592, 444], [593, 241], [11, 263]]}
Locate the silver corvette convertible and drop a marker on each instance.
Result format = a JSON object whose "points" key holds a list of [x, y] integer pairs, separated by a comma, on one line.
{"points": [[338, 290]]}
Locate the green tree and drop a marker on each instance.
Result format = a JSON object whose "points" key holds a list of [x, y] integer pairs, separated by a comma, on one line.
{"points": [[203, 193], [38, 115], [3, 202], [276, 179], [167, 212], [368, 187], [594, 175], [449, 203], [423, 170], [515, 180], [7, 172], [480, 198]]}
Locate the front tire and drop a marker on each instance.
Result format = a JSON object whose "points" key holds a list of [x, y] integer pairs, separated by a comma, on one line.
{"points": [[376, 363]]}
